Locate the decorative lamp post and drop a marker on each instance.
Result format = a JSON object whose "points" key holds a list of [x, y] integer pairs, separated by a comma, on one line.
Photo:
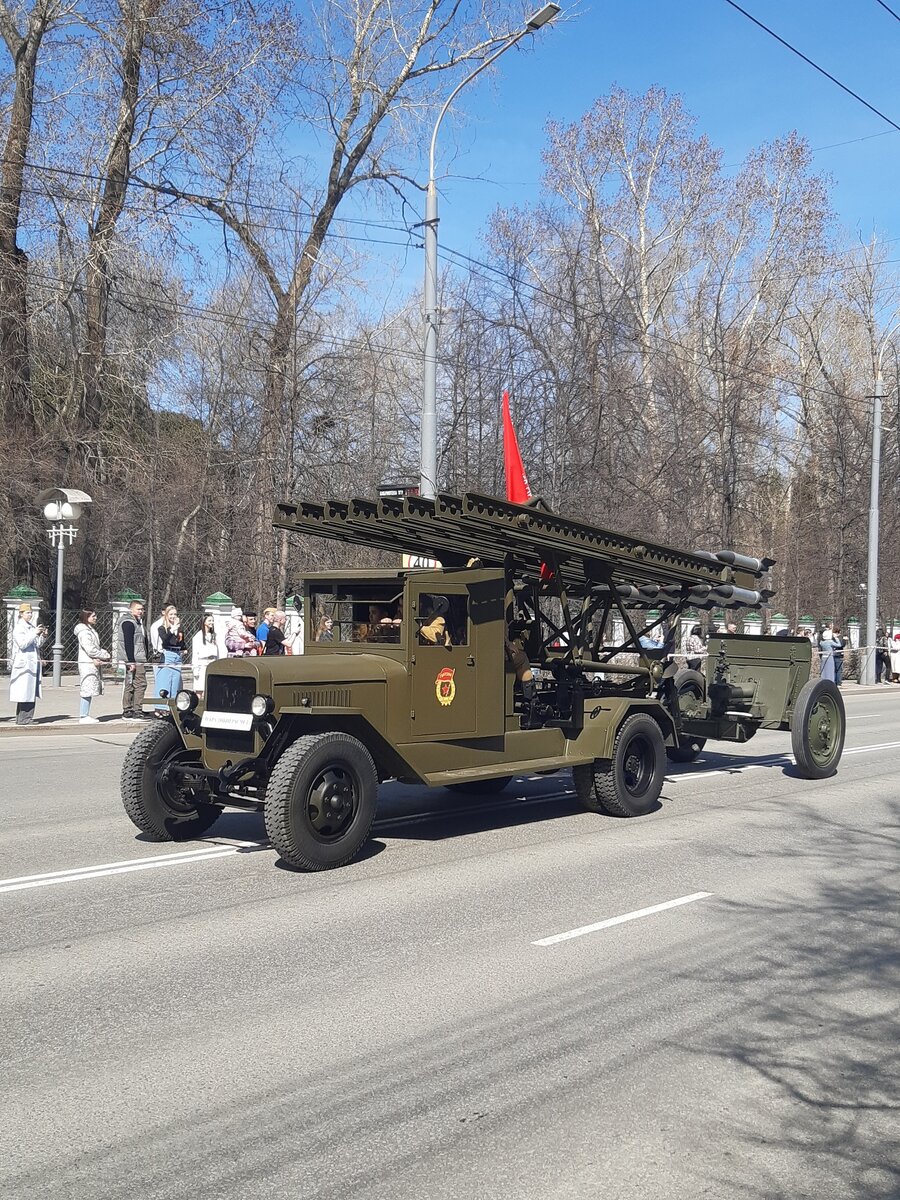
{"points": [[62, 510], [428, 484]]}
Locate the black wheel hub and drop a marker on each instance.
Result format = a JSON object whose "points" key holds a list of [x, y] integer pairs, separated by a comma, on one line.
{"points": [[178, 791], [637, 766], [332, 802]]}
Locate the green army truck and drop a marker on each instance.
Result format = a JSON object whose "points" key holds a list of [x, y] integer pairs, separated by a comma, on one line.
{"points": [[502, 661]]}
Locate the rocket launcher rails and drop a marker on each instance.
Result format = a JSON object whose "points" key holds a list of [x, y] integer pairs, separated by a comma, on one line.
{"points": [[531, 541]]}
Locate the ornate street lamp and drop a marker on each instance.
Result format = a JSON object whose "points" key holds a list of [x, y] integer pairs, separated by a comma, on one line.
{"points": [[62, 510]]}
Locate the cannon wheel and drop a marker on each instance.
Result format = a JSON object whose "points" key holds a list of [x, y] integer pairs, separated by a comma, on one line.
{"points": [[818, 725], [164, 810], [628, 784], [482, 787], [320, 800], [691, 685]]}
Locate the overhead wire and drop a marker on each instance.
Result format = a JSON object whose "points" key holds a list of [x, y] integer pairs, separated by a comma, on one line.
{"points": [[888, 9], [448, 253], [814, 65]]}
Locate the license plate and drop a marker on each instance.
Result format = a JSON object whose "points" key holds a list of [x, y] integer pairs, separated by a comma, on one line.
{"points": [[223, 720]]}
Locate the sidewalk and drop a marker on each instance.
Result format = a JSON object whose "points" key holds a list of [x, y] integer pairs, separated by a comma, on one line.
{"points": [[57, 709]]}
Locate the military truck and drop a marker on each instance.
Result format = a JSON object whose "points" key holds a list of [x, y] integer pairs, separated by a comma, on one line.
{"points": [[504, 660]]}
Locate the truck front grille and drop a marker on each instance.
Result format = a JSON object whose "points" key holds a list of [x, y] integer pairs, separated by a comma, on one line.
{"points": [[229, 693]]}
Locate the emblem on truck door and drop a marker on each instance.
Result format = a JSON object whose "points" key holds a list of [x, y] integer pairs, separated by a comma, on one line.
{"points": [[444, 687]]}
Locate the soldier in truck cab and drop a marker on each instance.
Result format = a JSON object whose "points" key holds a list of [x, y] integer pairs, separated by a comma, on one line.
{"points": [[434, 631]]}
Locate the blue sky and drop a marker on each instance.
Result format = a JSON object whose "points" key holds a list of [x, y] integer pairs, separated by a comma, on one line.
{"points": [[743, 87]]}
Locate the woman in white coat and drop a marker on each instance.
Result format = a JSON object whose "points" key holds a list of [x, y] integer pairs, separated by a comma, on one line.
{"points": [[25, 664], [204, 650], [90, 659]]}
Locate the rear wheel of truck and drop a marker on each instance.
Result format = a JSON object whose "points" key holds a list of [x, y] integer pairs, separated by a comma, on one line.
{"points": [[691, 689], [164, 807], [483, 787], [628, 785], [320, 800], [818, 725]]}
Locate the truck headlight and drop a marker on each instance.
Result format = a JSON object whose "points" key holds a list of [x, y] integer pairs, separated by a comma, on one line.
{"points": [[260, 705], [186, 701]]}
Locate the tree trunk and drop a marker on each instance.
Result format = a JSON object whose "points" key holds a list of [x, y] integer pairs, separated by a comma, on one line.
{"points": [[15, 376], [116, 172]]}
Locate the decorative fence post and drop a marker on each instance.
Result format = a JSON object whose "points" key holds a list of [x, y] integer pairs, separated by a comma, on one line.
{"points": [[779, 621], [18, 595], [220, 606]]}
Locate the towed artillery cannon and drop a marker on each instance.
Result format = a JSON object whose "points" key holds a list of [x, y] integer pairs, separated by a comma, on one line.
{"points": [[504, 659]]}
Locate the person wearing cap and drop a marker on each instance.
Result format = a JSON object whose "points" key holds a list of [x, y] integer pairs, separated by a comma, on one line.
{"points": [[25, 664]]}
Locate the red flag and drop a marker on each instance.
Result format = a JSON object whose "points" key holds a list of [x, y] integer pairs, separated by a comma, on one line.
{"points": [[517, 488]]}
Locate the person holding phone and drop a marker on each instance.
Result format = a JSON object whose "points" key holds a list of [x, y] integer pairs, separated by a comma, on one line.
{"points": [[25, 664]]}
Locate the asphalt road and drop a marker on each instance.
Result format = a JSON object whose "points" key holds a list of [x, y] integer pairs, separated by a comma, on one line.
{"points": [[215, 1026]]}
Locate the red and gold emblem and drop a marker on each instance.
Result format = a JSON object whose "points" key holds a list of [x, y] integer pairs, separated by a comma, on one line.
{"points": [[444, 687]]}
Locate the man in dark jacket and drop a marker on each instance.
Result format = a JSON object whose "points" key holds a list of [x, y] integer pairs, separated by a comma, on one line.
{"points": [[133, 649]]}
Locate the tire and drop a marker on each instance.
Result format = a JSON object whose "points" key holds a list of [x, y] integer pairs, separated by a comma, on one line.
{"points": [[818, 725], [628, 785], [163, 812], [691, 685], [484, 787], [686, 752], [319, 768]]}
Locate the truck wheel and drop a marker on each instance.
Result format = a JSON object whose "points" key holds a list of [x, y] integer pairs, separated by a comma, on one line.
{"points": [[320, 800], [630, 782], [687, 751], [483, 787], [818, 725], [690, 687], [165, 810]]}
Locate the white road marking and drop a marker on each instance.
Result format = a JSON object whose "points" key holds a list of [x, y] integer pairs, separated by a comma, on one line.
{"points": [[632, 916], [222, 847], [75, 874], [771, 761], [865, 716]]}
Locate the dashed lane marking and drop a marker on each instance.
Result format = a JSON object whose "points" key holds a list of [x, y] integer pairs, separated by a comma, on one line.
{"points": [[610, 921], [223, 847]]}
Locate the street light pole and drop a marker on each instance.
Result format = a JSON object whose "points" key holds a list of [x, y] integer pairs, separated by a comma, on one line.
{"points": [[62, 508], [871, 656], [57, 644], [428, 469]]}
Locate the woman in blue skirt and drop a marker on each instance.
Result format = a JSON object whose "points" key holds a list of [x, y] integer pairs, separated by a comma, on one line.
{"points": [[168, 676]]}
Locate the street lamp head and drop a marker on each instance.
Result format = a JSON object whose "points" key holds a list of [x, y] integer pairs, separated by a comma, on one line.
{"points": [[63, 504], [540, 18]]}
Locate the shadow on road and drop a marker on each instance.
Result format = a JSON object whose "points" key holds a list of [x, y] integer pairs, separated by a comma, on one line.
{"points": [[434, 814], [817, 1017]]}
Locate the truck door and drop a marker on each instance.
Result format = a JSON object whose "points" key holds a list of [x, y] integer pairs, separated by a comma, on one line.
{"points": [[456, 656]]}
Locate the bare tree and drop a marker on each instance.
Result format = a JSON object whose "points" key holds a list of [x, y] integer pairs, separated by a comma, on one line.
{"points": [[367, 76], [23, 39]]}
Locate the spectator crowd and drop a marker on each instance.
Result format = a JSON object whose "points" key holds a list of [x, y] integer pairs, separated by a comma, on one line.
{"points": [[163, 650]]}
